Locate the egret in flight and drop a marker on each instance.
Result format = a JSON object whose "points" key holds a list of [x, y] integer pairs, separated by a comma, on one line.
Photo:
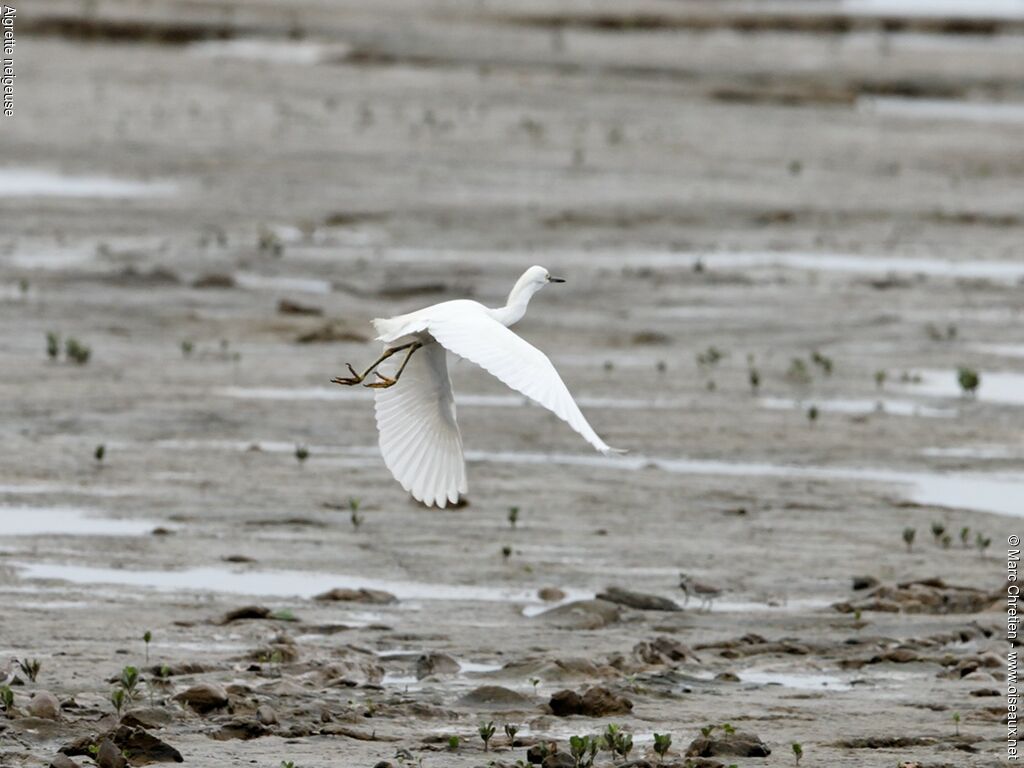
{"points": [[419, 436]]}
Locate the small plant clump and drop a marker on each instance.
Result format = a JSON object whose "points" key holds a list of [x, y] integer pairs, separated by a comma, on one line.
{"points": [[969, 380], [6, 698], [797, 373], [76, 351], [908, 538], [662, 742], [965, 536], [798, 752], [486, 731], [753, 375], [511, 730], [354, 516], [584, 750], [453, 743], [301, 454], [506, 552], [52, 345], [118, 699], [99, 453], [30, 667], [710, 357], [880, 377], [187, 345], [513, 517], [938, 529], [956, 722], [147, 638], [982, 543], [812, 414], [823, 362]]}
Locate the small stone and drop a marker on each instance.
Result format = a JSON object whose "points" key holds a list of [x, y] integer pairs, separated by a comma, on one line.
{"points": [[496, 698], [434, 663], [63, 761], [144, 747], [558, 760], [599, 702], [368, 596], [266, 714], [246, 612], [639, 600], [109, 756], [241, 728], [45, 706], [864, 582], [204, 697], [565, 702], [551, 594], [732, 744]]}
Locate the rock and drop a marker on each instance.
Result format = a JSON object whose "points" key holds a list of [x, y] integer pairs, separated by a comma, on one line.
{"points": [[246, 612], [289, 307], [266, 714], [214, 280], [45, 706], [583, 614], [241, 728], [558, 760], [63, 761], [565, 702], [368, 596], [727, 677], [109, 756], [551, 594], [204, 697], [662, 650], [864, 582], [639, 600], [434, 663], [736, 744], [496, 698], [144, 747], [597, 701]]}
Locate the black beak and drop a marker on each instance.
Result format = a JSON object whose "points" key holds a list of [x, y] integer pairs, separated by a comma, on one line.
{"points": [[555, 279]]}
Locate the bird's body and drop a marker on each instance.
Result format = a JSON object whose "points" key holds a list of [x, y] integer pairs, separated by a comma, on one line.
{"points": [[706, 593], [419, 435]]}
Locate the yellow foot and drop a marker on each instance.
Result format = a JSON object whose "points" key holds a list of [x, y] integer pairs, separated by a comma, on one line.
{"points": [[384, 383], [356, 378]]}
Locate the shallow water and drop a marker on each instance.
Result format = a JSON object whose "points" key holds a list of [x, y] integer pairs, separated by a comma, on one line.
{"points": [[1004, 387], [1001, 350], [27, 182], [299, 584], [267, 50], [986, 112], [65, 521], [999, 9], [859, 407], [256, 282]]}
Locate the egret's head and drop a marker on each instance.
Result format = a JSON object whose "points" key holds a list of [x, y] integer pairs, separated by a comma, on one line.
{"points": [[540, 276]]}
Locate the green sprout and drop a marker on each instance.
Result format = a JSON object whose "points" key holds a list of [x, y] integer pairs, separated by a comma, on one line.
{"points": [[969, 380], [99, 453], [728, 729], [709, 357], [453, 742], [118, 698], [301, 454], [186, 348], [965, 535], [956, 722], [511, 731], [823, 362], [624, 745], [583, 750], [880, 377], [128, 680], [938, 529], [609, 738], [908, 538], [31, 668], [662, 742], [76, 351], [797, 374], [506, 552], [6, 698], [486, 731], [706, 731], [52, 345], [982, 543], [513, 517], [147, 638], [812, 414], [946, 541], [288, 764], [353, 507], [798, 752], [534, 681], [754, 377]]}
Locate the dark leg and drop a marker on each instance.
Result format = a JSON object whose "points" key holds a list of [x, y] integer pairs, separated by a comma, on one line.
{"points": [[357, 378], [386, 381]]}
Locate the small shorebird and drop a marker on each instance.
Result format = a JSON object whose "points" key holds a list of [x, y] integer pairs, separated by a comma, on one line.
{"points": [[705, 592], [419, 437], [8, 672]]}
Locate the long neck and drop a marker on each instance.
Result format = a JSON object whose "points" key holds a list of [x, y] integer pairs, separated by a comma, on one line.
{"points": [[518, 301]]}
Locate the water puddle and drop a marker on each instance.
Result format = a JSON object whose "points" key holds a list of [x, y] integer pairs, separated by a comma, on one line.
{"points": [[42, 489], [54, 258], [256, 282], [987, 112], [995, 387], [973, 9], [296, 584], [989, 452], [23, 182], [796, 680], [269, 51], [741, 260], [859, 407], [360, 394], [65, 521]]}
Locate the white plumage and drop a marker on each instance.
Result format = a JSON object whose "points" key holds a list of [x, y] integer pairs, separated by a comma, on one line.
{"points": [[415, 407]]}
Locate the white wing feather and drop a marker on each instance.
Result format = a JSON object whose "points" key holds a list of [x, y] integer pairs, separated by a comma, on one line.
{"points": [[419, 437], [479, 338]]}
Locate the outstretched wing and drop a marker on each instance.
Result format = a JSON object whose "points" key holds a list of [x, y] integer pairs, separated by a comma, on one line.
{"points": [[481, 339], [419, 437]]}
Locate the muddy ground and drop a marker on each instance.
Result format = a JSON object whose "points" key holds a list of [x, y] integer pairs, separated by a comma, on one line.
{"points": [[215, 198]]}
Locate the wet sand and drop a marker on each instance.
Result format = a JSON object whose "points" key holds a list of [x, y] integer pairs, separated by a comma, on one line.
{"points": [[771, 184]]}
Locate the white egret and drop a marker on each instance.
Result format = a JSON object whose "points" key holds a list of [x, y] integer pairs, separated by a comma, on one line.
{"points": [[419, 436]]}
